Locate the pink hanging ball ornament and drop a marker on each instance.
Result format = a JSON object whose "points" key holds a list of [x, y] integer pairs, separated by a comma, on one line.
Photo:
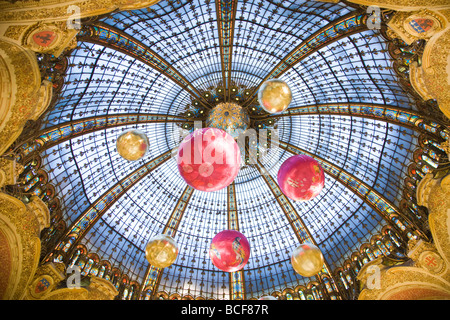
{"points": [[209, 159], [229, 250], [301, 178]]}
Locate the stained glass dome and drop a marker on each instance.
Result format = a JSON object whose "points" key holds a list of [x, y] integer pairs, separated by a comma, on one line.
{"points": [[229, 117], [162, 70]]}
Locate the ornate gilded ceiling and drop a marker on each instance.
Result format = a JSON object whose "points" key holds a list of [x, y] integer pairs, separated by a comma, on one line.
{"points": [[160, 69]]}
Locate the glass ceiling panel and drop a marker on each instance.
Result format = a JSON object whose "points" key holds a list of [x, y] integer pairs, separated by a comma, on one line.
{"points": [[205, 216]]}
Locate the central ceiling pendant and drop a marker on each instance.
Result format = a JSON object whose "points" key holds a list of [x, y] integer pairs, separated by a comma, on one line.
{"points": [[229, 117]]}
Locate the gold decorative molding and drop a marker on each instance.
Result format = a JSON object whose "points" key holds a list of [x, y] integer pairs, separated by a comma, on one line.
{"points": [[68, 294], [330, 1], [20, 225], [9, 171], [431, 261], [445, 183], [416, 78], [436, 69], [409, 283], [101, 289], [45, 97], [63, 10], [425, 256], [439, 217], [446, 147], [401, 282], [46, 26]]}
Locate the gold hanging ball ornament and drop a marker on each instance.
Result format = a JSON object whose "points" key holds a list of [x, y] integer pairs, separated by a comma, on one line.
{"points": [[274, 96], [132, 145], [307, 260], [161, 251]]}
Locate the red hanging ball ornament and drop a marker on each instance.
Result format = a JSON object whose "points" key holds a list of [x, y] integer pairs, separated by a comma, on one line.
{"points": [[229, 250], [209, 159], [301, 178]]}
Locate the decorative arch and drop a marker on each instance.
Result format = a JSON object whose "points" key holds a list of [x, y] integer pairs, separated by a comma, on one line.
{"points": [[20, 226], [417, 291]]}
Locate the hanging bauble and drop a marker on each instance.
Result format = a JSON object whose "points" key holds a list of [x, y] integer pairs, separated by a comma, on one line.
{"points": [[274, 96], [132, 145], [268, 298], [209, 159], [161, 251], [301, 178], [307, 260], [229, 250]]}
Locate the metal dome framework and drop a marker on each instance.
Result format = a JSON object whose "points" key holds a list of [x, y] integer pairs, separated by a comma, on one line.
{"points": [[145, 69]]}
